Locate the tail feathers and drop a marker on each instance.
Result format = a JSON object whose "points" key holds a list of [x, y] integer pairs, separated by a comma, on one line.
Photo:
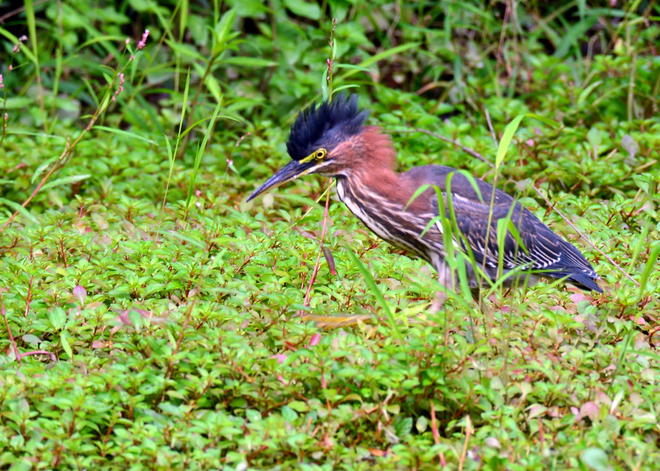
{"points": [[581, 280], [573, 265]]}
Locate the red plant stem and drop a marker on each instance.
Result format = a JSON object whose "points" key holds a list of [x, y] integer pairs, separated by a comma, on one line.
{"points": [[19, 356], [28, 297], [9, 333], [436, 436]]}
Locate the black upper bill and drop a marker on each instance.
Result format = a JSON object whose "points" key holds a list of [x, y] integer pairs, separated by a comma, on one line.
{"points": [[287, 173]]}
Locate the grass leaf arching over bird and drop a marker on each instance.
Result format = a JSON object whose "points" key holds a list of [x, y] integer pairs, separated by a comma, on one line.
{"points": [[332, 140]]}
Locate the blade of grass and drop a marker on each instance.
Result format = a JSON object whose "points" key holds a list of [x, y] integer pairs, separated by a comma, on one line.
{"points": [[128, 134], [198, 157], [19, 209], [378, 57], [371, 284], [507, 137], [649, 267]]}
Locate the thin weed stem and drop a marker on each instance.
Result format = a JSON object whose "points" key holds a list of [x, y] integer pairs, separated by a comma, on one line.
{"points": [[17, 354], [584, 237], [317, 264], [472, 152]]}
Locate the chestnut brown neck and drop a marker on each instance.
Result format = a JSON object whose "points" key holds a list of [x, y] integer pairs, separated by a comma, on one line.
{"points": [[377, 163], [373, 166], [378, 152]]}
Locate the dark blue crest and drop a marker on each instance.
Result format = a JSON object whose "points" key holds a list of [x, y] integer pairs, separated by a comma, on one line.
{"points": [[325, 125]]}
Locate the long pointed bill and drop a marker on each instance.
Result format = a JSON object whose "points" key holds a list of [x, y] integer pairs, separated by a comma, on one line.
{"points": [[289, 172]]}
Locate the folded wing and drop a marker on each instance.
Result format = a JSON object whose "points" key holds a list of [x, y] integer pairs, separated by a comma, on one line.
{"points": [[536, 247]]}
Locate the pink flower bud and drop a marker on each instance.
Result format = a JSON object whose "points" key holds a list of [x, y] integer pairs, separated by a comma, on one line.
{"points": [[80, 293], [143, 40], [314, 341], [280, 357]]}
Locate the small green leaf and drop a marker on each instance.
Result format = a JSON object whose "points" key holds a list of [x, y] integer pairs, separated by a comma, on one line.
{"points": [[299, 406], [507, 137], [304, 8], [57, 317], [586, 92], [421, 424], [596, 459], [185, 50], [222, 32], [289, 414], [64, 340], [253, 415], [249, 61], [65, 181], [17, 102]]}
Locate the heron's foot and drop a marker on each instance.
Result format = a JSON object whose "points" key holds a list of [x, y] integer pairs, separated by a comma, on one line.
{"points": [[439, 301], [446, 279]]}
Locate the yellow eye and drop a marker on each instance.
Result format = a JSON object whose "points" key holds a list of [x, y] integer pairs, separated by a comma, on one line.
{"points": [[318, 154]]}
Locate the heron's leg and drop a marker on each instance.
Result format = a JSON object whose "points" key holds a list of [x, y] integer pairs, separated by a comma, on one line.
{"points": [[446, 279]]}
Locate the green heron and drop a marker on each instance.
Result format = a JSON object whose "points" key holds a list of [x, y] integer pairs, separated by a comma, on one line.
{"points": [[332, 140]]}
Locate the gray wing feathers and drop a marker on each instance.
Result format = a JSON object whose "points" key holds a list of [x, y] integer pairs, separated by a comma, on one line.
{"points": [[541, 248]]}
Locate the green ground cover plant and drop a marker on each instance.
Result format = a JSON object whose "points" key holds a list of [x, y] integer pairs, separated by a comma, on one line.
{"points": [[152, 319]]}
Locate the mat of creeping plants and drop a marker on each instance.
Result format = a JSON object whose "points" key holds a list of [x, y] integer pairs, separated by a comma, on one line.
{"points": [[154, 319]]}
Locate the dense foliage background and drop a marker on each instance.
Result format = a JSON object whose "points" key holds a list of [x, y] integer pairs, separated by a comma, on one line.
{"points": [[153, 319]]}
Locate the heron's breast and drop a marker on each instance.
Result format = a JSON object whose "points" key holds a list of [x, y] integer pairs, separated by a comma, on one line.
{"points": [[388, 220]]}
